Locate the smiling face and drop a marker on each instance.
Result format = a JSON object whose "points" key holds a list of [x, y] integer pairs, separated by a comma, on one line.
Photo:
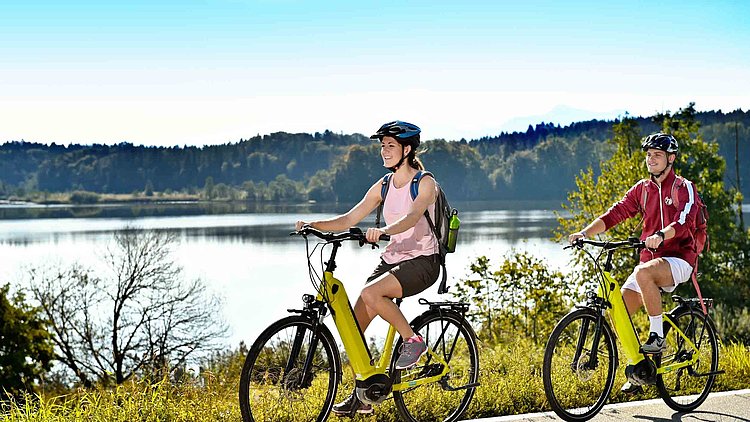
{"points": [[657, 160], [391, 151]]}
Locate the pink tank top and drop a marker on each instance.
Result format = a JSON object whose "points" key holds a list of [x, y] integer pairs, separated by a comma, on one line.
{"points": [[418, 240]]}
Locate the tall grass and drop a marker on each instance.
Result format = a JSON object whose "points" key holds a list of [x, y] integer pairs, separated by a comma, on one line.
{"points": [[510, 378]]}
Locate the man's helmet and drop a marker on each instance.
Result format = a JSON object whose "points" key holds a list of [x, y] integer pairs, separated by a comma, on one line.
{"points": [[404, 133], [662, 141]]}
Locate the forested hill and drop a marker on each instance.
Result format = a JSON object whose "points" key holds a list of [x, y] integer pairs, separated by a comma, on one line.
{"points": [[540, 163]]}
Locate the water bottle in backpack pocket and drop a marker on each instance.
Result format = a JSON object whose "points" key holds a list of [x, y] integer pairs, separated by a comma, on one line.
{"points": [[453, 226]]}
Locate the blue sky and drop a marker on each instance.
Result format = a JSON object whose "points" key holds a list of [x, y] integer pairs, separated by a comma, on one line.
{"points": [[207, 72]]}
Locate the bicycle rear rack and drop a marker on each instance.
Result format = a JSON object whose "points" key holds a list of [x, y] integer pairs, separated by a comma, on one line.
{"points": [[693, 302], [460, 307]]}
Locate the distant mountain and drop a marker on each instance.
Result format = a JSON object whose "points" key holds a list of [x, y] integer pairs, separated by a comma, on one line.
{"points": [[562, 115]]}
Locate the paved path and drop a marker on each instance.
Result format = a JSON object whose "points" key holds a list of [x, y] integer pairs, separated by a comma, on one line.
{"points": [[727, 406]]}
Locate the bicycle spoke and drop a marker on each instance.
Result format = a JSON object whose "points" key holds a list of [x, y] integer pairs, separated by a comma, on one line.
{"points": [[274, 384], [449, 339], [684, 389], [576, 389]]}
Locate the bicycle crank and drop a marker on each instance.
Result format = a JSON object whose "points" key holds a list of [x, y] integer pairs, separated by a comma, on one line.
{"points": [[374, 390]]}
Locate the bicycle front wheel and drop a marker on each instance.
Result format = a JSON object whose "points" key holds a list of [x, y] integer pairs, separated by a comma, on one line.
{"points": [[687, 388], [290, 373], [579, 365], [450, 336]]}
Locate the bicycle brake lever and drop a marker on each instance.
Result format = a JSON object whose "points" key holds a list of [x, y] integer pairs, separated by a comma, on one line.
{"points": [[578, 243]]}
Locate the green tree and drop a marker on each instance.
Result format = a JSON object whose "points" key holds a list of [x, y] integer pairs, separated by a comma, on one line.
{"points": [[319, 187], [725, 264], [148, 190], [252, 193], [522, 296], [208, 188], [594, 195], [353, 175], [283, 188], [26, 348], [222, 191]]}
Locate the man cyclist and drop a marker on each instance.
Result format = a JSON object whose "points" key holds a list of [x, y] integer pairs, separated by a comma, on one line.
{"points": [[671, 254], [410, 262]]}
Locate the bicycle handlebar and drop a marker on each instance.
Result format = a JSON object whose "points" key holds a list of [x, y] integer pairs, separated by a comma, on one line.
{"points": [[632, 243], [354, 233]]}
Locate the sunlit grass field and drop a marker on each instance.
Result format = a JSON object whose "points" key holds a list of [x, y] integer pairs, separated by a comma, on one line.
{"points": [[510, 377]]}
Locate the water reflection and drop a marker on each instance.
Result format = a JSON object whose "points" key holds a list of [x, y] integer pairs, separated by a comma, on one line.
{"points": [[163, 209], [190, 222], [248, 229]]}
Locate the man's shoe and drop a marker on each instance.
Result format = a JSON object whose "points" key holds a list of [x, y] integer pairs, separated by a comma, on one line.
{"points": [[654, 344], [630, 388], [411, 351], [350, 406]]}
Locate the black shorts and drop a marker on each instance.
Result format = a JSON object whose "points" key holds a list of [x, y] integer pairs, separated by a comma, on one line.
{"points": [[415, 275]]}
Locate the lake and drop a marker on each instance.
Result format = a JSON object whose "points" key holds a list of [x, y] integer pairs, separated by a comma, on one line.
{"points": [[245, 254]]}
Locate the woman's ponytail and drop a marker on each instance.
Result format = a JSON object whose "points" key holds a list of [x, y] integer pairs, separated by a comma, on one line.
{"points": [[415, 162]]}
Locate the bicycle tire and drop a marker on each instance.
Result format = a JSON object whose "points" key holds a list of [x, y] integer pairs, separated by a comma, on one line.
{"points": [[271, 391], [681, 393], [564, 388], [458, 347]]}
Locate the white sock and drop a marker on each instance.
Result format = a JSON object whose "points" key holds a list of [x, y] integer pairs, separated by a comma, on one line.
{"points": [[656, 325]]}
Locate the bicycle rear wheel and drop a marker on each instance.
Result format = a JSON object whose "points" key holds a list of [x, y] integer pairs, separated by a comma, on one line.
{"points": [[687, 388], [273, 384], [577, 376], [449, 335]]}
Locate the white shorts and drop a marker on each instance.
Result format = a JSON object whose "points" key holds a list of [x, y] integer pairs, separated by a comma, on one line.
{"points": [[681, 272]]}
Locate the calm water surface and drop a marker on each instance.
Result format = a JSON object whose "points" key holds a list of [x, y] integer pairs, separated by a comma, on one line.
{"points": [[246, 254]]}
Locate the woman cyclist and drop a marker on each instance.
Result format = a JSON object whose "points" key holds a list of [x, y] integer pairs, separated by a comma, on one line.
{"points": [[410, 263]]}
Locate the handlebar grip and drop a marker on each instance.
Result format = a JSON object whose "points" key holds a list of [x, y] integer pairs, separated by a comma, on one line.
{"points": [[385, 237]]}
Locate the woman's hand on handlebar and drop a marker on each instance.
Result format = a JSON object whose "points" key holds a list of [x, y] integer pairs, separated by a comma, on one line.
{"points": [[299, 224], [373, 234]]}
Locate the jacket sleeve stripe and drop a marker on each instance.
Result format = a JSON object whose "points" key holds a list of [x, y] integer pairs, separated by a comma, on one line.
{"points": [[689, 204]]}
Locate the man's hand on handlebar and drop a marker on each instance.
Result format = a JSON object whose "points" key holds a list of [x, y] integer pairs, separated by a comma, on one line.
{"points": [[575, 236], [653, 241]]}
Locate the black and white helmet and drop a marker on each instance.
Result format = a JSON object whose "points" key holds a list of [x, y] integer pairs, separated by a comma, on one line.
{"points": [[662, 141]]}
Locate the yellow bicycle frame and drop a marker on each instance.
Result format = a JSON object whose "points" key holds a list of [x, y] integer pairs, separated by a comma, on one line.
{"points": [[623, 326], [354, 341], [675, 366], [621, 320]]}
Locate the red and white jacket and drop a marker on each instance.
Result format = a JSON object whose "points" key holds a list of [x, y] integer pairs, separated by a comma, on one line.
{"points": [[659, 214]]}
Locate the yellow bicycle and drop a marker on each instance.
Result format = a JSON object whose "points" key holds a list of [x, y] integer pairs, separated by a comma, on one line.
{"points": [[580, 358], [293, 369]]}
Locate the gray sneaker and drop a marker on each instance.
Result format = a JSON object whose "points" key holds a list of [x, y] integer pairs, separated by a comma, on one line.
{"points": [[654, 344], [411, 351]]}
